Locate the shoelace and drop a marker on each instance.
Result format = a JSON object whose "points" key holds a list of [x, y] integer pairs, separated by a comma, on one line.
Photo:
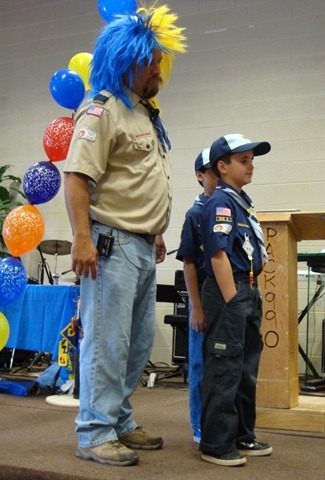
{"points": [[117, 444]]}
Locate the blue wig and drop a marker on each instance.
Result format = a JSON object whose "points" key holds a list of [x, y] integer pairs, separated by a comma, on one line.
{"points": [[131, 39]]}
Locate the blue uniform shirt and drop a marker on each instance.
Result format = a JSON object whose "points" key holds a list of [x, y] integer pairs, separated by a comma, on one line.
{"points": [[225, 226], [191, 238]]}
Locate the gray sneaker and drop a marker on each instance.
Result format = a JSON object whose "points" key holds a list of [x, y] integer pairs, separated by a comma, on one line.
{"points": [[141, 440], [111, 453]]}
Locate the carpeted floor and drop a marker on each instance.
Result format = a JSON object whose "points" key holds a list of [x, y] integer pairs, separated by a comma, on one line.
{"points": [[37, 441]]}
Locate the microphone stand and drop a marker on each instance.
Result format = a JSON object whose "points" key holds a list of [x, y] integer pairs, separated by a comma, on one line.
{"points": [[44, 267]]}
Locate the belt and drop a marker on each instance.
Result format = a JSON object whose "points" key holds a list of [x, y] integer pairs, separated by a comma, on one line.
{"points": [[242, 277], [147, 237]]}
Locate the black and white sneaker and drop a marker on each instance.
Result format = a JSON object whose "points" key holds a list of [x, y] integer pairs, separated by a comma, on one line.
{"points": [[254, 448], [230, 459]]}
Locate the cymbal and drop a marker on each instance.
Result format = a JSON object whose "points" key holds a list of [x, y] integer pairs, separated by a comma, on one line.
{"points": [[70, 279], [52, 247], [75, 280]]}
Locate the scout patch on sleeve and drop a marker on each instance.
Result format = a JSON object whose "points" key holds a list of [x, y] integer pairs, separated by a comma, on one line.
{"points": [[95, 110], [222, 227], [223, 212], [87, 134]]}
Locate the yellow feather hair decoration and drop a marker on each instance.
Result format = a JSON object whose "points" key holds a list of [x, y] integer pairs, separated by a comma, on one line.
{"points": [[163, 24]]}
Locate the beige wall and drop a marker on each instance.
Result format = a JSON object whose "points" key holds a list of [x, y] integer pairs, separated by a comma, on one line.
{"points": [[255, 67]]}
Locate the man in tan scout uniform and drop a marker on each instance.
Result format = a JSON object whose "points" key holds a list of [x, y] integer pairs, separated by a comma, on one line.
{"points": [[118, 196]]}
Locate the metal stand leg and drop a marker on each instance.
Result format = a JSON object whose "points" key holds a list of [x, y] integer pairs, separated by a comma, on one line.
{"points": [[44, 268], [304, 354]]}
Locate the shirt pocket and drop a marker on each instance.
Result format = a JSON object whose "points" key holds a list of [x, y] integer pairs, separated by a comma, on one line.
{"points": [[144, 144], [244, 230], [143, 156]]}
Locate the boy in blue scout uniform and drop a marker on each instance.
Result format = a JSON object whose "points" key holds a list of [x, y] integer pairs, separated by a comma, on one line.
{"points": [[235, 252], [191, 253]]}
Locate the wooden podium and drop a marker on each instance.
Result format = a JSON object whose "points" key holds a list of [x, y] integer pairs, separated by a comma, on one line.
{"points": [[278, 380]]}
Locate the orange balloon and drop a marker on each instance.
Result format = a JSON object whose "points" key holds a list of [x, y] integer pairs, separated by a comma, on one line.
{"points": [[23, 230]]}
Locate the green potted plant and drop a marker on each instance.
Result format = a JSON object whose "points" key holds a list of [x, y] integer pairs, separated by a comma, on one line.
{"points": [[9, 195]]}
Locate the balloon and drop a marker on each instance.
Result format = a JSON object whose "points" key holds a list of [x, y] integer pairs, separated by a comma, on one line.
{"points": [[109, 8], [13, 280], [4, 331], [57, 138], [41, 182], [23, 229], [80, 63], [67, 88]]}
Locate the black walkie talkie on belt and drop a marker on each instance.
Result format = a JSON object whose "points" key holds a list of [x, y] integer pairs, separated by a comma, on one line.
{"points": [[105, 244]]}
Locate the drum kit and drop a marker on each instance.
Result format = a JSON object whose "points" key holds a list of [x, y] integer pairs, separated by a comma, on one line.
{"points": [[56, 248]]}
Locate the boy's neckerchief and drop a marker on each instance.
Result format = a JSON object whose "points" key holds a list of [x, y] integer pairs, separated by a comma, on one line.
{"points": [[249, 208]]}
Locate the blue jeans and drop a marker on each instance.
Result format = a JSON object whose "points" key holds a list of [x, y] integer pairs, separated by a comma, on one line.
{"points": [[195, 372], [118, 319]]}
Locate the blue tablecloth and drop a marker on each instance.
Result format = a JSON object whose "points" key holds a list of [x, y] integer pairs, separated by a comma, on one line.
{"points": [[37, 317]]}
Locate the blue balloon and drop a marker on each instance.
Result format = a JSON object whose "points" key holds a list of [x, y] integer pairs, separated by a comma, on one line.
{"points": [[67, 88], [13, 280], [109, 8], [41, 182]]}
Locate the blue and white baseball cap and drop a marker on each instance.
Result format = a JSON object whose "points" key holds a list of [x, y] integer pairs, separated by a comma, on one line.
{"points": [[203, 160], [233, 143]]}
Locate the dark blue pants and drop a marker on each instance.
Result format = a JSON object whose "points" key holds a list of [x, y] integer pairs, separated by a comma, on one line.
{"points": [[232, 347]]}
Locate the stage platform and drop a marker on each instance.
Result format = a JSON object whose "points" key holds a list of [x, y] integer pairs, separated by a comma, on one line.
{"points": [[39, 443], [307, 416]]}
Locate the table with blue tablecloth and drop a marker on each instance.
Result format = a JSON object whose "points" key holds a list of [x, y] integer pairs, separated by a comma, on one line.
{"points": [[38, 316]]}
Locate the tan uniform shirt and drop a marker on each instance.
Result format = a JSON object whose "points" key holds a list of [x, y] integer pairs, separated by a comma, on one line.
{"points": [[118, 149]]}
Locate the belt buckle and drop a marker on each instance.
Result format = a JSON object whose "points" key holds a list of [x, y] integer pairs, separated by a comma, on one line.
{"points": [[150, 239]]}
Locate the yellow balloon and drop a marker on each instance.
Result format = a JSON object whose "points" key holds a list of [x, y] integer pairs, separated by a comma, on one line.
{"points": [[4, 331], [80, 64]]}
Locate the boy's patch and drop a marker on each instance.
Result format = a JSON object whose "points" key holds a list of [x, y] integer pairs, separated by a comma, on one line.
{"points": [[223, 212], [95, 110], [87, 134], [222, 227]]}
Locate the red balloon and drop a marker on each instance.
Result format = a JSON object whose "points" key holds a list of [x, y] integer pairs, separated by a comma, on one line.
{"points": [[57, 138]]}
